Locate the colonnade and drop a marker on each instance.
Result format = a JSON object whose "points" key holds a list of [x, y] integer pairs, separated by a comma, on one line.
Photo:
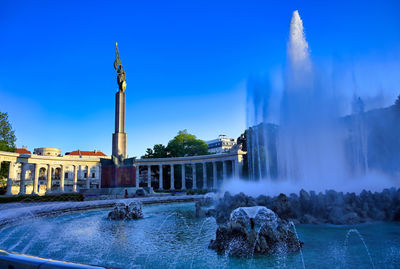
{"points": [[50, 175], [197, 182]]}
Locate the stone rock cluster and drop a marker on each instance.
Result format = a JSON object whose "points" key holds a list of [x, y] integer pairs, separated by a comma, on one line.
{"points": [[254, 230], [330, 207], [126, 212]]}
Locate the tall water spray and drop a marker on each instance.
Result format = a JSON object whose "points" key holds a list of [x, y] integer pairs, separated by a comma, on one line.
{"points": [[308, 144]]}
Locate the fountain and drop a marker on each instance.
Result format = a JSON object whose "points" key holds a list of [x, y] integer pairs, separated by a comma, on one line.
{"points": [[123, 211]]}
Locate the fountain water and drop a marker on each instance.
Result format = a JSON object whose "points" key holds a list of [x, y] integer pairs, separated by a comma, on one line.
{"points": [[297, 236], [305, 141], [355, 231]]}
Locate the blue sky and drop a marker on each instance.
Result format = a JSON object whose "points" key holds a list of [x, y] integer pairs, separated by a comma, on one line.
{"points": [[187, 63]]}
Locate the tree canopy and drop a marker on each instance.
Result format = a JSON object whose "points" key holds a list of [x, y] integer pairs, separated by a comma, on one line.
{"points": [[7, 136], [397, 103], [183, 144]]}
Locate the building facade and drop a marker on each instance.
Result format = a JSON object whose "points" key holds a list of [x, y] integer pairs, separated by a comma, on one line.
{"points": [[221, 144]]}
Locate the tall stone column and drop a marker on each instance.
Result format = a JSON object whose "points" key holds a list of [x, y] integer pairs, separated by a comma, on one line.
{"points": [[119, 137], [62, 178], [172, 178], [137, 175], [10, 178], [48, 185], [88, 178], [149, 176], [214, 175], [160, 183], [22, 187], [75, 182], [204, 184], [194, 178], [36, 180], [183, 177], [235, 167], [224, 173]]}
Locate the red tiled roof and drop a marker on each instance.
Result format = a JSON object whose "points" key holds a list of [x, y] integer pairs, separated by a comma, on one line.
{"points": [[86, 153], [22, 151]]}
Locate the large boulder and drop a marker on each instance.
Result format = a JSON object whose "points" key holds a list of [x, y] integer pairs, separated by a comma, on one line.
{"points": [[254, 230]]}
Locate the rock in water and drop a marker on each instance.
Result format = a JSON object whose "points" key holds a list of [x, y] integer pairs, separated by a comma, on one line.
{"points": [[126, 212], [254, 230]]}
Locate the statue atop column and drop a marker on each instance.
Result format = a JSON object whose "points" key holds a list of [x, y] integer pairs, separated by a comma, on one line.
{"points": [[121, 75]]}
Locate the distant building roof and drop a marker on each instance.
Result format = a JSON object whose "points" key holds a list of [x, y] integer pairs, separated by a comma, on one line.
{"points": [[86, 153], [22, 151]]}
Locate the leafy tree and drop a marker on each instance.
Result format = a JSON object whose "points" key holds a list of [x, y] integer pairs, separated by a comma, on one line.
{"points": [[7, 143], [185, 144], [7, 136], [158, 151], [397, 103]]}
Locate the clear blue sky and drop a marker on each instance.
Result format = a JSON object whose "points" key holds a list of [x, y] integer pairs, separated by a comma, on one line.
{"points": [[187, 63]]}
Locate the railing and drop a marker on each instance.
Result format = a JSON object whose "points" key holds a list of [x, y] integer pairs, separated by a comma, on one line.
{"points": [[12, 260]]}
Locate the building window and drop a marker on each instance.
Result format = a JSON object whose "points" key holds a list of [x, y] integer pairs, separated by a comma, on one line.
{"points": [[66, 175], [93, 175], [85, 175]]}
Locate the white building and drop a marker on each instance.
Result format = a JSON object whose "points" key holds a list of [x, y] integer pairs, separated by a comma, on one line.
{"points": [[221, 144]]}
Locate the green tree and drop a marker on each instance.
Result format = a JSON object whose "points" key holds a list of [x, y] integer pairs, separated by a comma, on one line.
{"points": [[7, 143], [158, 151], [185, 144], [7, 136]]}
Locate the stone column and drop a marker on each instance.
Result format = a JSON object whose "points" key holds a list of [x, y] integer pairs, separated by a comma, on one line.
{"points": [[88, 178], [75, 182], [235, 167], [214, 175], [36, 180], [183, 177], [48, 185], [137, 175], [194, 186], [149, 176], [22, 187], [172, 178], [224, 174], [160, 183], [204, 184], [10, 178], [62, 178]]}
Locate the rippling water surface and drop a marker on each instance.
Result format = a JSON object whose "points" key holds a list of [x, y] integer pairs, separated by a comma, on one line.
{"points": [[170, 236]]}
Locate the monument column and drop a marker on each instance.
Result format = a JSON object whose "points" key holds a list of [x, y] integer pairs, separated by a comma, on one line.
{"points": [[137, 175], [149, 176], [214, 175], [194, 177], [172, 178], [36, 180], [183, 177], [160, 180], [88, 178], [62, 178], [22, 187], [10, 178], [119, 136], [224, 174], [75, 182], [48, 187]]}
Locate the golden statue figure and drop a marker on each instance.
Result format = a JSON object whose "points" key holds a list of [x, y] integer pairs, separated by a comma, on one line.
{"points": [[121, 75]]}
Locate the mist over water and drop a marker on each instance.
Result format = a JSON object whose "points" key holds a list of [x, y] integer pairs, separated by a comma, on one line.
{"points": [[310, 145]]}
